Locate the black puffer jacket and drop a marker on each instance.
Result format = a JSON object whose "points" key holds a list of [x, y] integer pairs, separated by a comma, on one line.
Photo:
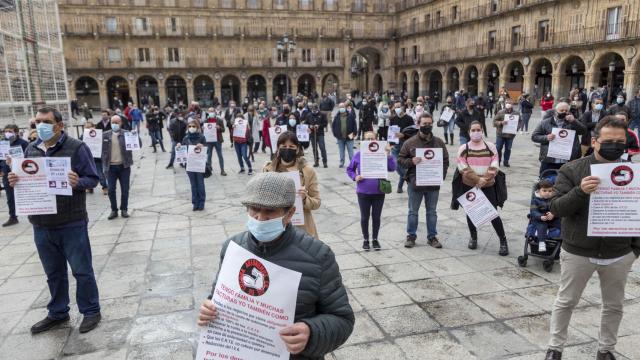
{"points": [[322, 301]]}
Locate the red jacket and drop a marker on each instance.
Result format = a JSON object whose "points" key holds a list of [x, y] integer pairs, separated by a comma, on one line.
{"points": [[546, 104], [266, 124]]}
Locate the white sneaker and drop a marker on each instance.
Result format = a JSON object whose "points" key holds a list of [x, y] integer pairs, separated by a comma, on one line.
{"points": [[542, 247]]}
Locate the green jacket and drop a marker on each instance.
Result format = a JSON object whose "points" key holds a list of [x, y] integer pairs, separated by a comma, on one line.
{"points": [[572, 205], [322, 303]]}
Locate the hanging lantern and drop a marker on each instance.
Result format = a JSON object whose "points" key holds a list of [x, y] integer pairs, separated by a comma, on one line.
{"points": [[494, 73], [574, 68], [516, 72], [612, 66], [543, 69], [473, 74]]}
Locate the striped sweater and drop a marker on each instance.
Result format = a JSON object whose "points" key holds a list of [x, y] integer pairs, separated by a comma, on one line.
{"points": [[481, 157]]}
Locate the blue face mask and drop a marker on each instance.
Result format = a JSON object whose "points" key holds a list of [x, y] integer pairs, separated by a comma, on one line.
{"points": [[265, 231], [342, 110], [115, 127], [292, 122], [45, 131], [599, 107], [398, 111]]}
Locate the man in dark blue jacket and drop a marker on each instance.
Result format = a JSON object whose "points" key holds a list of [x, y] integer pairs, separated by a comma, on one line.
{"points": [[63, 237], [344, 128]]}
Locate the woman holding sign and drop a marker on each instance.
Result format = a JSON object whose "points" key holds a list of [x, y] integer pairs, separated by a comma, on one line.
{"points": [[370, 197], [290, 158], [478, 167], [195, 138], [506, 123]]}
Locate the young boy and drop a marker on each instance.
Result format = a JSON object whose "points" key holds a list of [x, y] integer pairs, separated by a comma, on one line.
{"points": [[541, 215]]}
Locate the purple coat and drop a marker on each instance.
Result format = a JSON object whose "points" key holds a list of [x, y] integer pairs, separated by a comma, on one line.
{"points": [[367, 186]]}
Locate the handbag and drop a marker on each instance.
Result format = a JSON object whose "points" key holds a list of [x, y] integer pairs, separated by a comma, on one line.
{"points": [[442, 123], [384, 186]]}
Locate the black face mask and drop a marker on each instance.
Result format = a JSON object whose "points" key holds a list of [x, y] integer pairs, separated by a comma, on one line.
{"points": [[426, 129], [286, 111], [561, 116], [288, 155], [612, 151]]}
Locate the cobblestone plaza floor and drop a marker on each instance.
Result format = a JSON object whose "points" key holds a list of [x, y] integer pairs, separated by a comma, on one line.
{"points": [[155, 268]]}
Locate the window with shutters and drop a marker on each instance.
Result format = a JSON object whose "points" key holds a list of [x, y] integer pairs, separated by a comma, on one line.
{"points": [[173, 24], [330, 55], [427, 21], [82, 54], [111, 24], [255, 53], [169, 2], [516, 36], [359, 5], [227, 4], [279, 4], [202, 56], [403, 54], [114, 55], [306, 55], [518, 3], [414, 25], [438, 16], [228, 56], [141, 25], [144, 55], [495, 5], [140, 3], [198, 3], [200, 26], [543, 31], [492, 40], [414, 52], [227, 27], [358, 28], [305, 4], [380, 29], [454, 13], [330, 5], [254, 4], [614, 16], [281, 56], [173, 54]]}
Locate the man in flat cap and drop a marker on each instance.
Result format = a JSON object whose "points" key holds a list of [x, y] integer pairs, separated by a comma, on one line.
{"points": [[323, 317]]}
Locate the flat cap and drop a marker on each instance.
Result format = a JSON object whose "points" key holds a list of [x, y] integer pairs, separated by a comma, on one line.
{"points": [[270, 190]]}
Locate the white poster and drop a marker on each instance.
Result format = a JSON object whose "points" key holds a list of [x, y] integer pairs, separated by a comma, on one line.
{"points": [[392, 135], [131, 140], [196, 159], [373, 160], [302, 132], [210, 132], [16, 152], [5, 145], [298, 217], [31, 192], [274, 134], [477, 207], [93, 139], [447, 114], [510, 125], [181, 154], [240, 128], [255, 300], [57, 170], [614, 208], [561, 146], [429, 172]]}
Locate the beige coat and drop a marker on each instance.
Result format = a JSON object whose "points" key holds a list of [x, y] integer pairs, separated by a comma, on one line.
{"points": [[309, 180]]}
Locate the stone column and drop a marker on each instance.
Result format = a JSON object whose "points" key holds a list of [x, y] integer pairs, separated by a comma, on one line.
{"points": [[482, 85], [631, 82], [162, 92], [243, 89], [527, 83], [556, 85], [104, 97], [269, 86], [217, 88], [190, 94], [590, 80], [133, 93]]}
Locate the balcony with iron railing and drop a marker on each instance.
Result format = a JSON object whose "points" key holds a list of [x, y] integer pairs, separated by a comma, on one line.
{"points": [[78, 29], [584, 37]]}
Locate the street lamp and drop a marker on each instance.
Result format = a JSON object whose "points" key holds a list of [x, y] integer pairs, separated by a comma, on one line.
{"points": [[516, 72], [494, 73], [288, 46], [473, 74], [574, 68], [543, 69], [454, 75], [612, 66]]}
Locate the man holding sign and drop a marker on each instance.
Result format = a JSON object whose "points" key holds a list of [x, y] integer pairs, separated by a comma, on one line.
{"points": [[408, 159], [611, 255], [275, 278], [544, 135], [63, 237], [10, 135], [506, 124]]}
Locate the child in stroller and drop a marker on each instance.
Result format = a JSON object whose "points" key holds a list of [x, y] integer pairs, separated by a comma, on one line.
{"points": [[543, 231], [541, 216]]}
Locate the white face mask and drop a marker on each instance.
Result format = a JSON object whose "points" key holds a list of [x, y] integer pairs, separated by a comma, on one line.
{"points": [[192, 130]]}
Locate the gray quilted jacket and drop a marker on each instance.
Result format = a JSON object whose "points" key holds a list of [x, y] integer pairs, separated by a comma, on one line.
{"points": [[322, 301]]}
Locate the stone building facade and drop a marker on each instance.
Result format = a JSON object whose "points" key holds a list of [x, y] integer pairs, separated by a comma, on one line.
{"points": [[183, 50]]}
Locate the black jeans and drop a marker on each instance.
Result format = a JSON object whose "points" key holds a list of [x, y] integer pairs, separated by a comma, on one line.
{"points": [[123, 175], [492, 196], [370, 206], [318, 141]]}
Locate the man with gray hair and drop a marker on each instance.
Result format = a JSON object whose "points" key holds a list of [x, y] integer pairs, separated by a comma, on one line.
{"points": [[543, 135], [323, 317]]}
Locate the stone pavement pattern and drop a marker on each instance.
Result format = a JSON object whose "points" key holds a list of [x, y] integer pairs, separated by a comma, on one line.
{"points": [[155, 268]]}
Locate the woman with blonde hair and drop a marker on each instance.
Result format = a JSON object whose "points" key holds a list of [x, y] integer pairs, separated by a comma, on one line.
{"points": [[289, 156]]}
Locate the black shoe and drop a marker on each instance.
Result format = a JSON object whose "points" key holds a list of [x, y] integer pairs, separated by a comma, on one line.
{"points": [[325, 165], [376, 245], [250, 172], [605, 356], [506, 165], [241, 171], [124, 214], [11, 221], [504, 248], [316, 165], [410, 242], [473, 244], [435, 243], [341, 166], [113, 215], [365, 245], [223, 173], [553, 355], [169, 167], [89, 323], [47, 324], [195, 208], [399, 191]]}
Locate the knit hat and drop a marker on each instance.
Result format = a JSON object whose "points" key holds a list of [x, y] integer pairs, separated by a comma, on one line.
{"points": [[270, 190]]}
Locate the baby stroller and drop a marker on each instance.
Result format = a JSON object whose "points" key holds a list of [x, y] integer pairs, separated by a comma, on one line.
{"points": [[553, 242]]}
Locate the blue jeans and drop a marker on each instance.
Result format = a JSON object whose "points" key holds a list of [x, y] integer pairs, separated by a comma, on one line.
{"points": [[463, 139], [241, 153], [395, 151], [506, 143], [218, 146], [415, 201], [173, 153], [523, 124], [135, 125], [10, 198], [342, 144], [156, 138], [103, 179], [121, 174], [449, 128], [198, 194], [542, 228], [547, 165], [56, 247]]}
